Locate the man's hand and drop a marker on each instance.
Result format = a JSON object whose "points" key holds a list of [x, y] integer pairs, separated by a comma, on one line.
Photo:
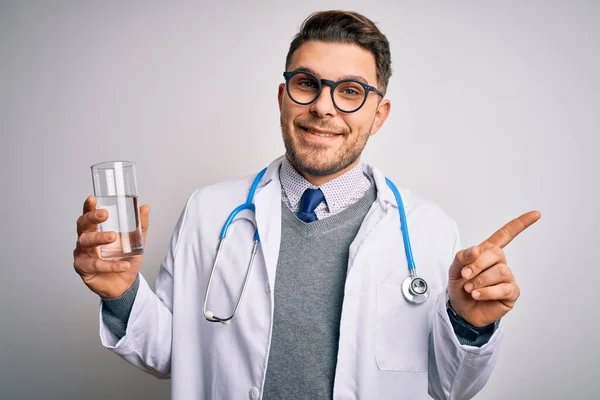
{"points": [[481, 286], [106, 278]]}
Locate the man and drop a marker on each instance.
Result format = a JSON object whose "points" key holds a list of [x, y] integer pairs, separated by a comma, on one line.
{"points": [[323, 313]]}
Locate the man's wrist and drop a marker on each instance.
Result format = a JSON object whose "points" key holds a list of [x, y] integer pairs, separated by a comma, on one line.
{"points": [[464, 329]]}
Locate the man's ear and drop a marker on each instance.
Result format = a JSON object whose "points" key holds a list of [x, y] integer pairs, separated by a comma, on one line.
{"points": [[280, 94], [383, 111]]}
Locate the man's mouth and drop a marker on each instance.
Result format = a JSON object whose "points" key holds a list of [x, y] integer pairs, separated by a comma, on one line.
{"points": [[319, 132]]}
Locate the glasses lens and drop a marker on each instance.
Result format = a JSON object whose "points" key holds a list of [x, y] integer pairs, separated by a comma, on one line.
{"points": [[303, 88], [349, 95]]}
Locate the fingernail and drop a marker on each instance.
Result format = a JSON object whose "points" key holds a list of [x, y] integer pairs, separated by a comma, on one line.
{"points": [[469, 287], [476, 295], [466, 272], [99, 214], [110, 236], [124, 266]]}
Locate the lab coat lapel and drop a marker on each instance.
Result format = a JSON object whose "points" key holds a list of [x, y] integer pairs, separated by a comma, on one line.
{"points": [[385, 204], [268, 217]]}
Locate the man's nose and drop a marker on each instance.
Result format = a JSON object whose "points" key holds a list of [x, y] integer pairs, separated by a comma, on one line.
{"points": [[323, 105]]}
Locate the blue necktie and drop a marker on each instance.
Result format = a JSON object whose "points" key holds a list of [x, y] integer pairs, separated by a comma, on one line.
{"points": [[311, 198]]}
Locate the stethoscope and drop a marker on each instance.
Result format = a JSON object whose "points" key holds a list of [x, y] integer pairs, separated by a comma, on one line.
{"points": [[414, 288]]}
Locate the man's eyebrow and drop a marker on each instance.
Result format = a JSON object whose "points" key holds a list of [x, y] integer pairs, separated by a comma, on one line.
{"points": [[357, 77]]}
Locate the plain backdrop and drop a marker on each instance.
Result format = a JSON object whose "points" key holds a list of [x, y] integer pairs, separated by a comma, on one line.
{"points": [[495, 112]]}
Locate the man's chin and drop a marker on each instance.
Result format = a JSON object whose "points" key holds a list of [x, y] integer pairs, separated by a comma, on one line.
{"points": [[316, 168]]}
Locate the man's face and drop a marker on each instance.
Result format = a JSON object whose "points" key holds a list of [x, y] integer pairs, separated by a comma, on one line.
{"points": [[319, 139]]}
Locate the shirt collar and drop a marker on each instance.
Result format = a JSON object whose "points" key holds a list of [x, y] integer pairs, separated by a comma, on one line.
{"points": [[337, 191]]}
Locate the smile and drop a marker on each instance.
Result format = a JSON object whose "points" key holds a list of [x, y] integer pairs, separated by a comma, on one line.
{"points": [[320, 134]]}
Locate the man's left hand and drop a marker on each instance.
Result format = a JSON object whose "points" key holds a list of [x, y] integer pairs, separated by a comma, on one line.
{"points": [[481, 286]]}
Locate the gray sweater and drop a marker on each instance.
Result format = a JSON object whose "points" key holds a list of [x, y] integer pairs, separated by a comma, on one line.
{"points": [[309, 291]]}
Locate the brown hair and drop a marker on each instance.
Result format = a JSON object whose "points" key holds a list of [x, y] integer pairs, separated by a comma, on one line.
{"points": [[346, 27]]}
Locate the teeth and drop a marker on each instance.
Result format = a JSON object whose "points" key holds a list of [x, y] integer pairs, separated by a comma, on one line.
{"points": [[321, 134]]}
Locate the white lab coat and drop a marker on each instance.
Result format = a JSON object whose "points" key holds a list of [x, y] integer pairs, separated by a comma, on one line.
{"points": [[388, 349]]}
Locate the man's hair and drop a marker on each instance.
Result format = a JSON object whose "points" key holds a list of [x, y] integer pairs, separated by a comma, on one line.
{"points": [[338, 26]]}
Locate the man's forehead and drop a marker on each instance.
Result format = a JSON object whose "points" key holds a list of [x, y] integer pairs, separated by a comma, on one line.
{"points": [[335, 60]]}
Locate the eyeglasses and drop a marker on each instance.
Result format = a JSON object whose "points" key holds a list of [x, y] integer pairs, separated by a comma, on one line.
{"points": [[348, 95]]}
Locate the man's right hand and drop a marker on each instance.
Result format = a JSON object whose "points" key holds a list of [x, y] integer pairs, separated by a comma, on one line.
{"points": [[107, 278]]}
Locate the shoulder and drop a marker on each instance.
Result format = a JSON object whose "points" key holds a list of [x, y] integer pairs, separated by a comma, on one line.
{"points": [[223, 189], [431, 216], [207, 207], [216, 200], [425, 216]]}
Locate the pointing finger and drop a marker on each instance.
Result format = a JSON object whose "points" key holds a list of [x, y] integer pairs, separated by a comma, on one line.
{"points": [[508, 232]]}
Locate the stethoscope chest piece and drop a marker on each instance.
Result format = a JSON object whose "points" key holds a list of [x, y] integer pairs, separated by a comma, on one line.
{"points": [[415, 289]]}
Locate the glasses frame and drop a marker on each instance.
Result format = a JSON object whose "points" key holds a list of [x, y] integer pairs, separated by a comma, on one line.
{"points": [[332, 84]]}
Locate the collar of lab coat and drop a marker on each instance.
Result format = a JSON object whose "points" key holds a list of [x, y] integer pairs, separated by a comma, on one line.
{"points": [[385, 196]]}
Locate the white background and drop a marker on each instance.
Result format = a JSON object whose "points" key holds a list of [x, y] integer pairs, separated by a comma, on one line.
{"points": [[495, 111]]}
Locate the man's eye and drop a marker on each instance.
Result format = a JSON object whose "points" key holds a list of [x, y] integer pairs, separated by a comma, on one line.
{"points": [[307, 84]]}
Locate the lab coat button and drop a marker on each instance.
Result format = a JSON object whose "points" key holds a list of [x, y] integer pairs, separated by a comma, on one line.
{"points": [[268, 288], [254, 393]]}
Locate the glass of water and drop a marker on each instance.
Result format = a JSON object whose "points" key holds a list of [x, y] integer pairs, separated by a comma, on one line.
{"points": [[115, 188]]}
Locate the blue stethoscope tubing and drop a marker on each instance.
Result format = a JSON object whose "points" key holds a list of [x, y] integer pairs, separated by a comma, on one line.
{"points": [[248, 205], [414, 288]]}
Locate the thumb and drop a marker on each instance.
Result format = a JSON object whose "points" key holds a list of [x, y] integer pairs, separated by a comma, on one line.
{"points": [[462, 258], [144, 216]]}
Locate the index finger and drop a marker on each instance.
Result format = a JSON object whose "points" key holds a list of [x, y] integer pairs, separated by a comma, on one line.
{"points": [[508, 232]]}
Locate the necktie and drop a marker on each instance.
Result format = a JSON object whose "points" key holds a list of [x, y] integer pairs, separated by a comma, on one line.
{"points": [[311, 198]]}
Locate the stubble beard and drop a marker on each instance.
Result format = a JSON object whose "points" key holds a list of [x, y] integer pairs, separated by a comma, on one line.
{"points": [[313, 158]]}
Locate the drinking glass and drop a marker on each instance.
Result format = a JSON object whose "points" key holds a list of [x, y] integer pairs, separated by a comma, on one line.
{"points": [[115, 188]]}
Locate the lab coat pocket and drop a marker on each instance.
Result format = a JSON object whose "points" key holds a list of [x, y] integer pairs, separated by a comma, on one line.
{"points": [[402, 331]]}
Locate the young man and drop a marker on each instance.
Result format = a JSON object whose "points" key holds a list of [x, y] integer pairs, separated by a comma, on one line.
{"points": [[323, 314]]}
